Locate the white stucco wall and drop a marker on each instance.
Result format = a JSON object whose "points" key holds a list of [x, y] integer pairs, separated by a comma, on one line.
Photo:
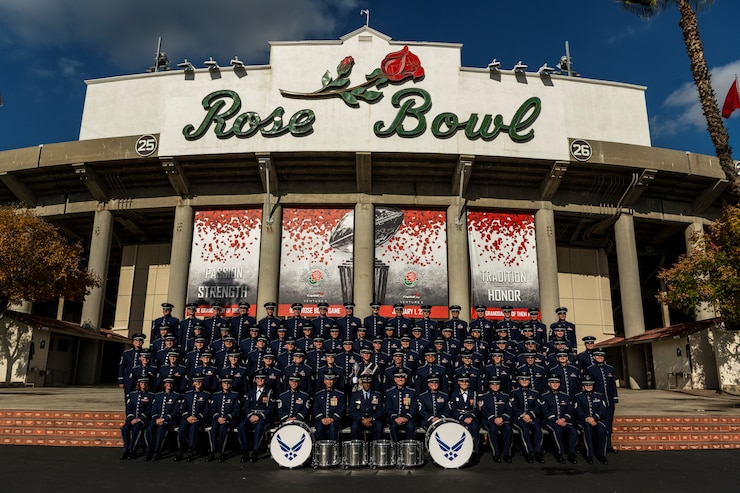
{"points": [[165, 102]]}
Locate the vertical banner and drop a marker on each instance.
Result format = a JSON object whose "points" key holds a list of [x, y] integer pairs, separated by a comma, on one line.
{"points": [[316, 259], [224, 262], [411, 260], [503, 262]]}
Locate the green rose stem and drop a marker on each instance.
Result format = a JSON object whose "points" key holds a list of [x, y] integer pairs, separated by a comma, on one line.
{"points": [[322, 93]]}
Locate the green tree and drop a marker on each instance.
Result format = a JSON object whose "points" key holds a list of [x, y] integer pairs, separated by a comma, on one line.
{"points": [[695, 50], [709, 273], [37, 263]]}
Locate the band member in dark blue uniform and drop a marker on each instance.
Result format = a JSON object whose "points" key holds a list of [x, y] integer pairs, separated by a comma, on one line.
{"points": [[374, 323], [433, 404], [401, 325], [511, 327], [401, 408], [429, 328], [269, 323], [130, 358], [459, 327], [329, 407], [605, 382], [539, 330], [464, 409], [293, 404], [495, 410], [570, 328], [224, 416], [323, 323], [525, 419], [296, 323], [486, 326], [589, 407], [258, 411], [557, 415], [348, 324], [242, 322], [165, 415], [366, 410], [165, 319], [214, 323], [193, 415], [185, 328], [138, 414]]}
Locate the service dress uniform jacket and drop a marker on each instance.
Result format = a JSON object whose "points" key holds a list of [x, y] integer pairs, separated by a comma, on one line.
{"points": [[138, 406], [195, 404], [328, 403], [524, 402], [433, 406], [553, 407], [259, 403], [494, 405], [401, 403], [293, 404], [366, 404], [592, 404], [166, 406], [226, 405]]}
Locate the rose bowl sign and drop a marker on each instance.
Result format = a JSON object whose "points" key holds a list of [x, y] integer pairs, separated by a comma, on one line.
{"points": [[224, 115]]}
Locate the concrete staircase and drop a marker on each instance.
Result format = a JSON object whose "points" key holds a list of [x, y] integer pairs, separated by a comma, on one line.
{"points": [[676, 432], [61, 428], [102, 429]]}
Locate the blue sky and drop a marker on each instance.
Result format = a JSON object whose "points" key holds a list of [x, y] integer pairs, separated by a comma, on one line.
{"points": [[48, 48]]}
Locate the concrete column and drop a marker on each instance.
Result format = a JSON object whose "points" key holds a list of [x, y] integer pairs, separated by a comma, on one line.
{"points": [[703, 311], [705, 345], [630, 292], [547, 260], [182, 243], [458, 267], [364, 258], [24, 306], [92, 307], [268, 283]]}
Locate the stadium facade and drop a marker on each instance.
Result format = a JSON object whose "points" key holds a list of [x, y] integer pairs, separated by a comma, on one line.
{"points": [[365, 168]]}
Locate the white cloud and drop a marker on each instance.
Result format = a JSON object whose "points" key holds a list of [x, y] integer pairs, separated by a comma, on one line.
{"points": [[681, 110], [127, 31]]}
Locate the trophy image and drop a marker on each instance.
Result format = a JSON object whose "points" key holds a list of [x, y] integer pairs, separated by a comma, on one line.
{"points": [[387, 221]]}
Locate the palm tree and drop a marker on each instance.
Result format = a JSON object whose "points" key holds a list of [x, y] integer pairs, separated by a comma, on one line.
{"points": [[695, 49]]}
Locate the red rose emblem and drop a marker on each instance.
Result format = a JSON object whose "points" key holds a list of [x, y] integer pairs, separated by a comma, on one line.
{"points": [[345, 66], [401, 65]]}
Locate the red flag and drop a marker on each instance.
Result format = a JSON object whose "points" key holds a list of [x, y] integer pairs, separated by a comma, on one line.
{"points": [[732, 101]]}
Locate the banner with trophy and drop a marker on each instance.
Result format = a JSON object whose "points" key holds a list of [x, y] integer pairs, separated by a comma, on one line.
{"points": [[316, 265], [503, 262], [224, 261], [411, 260]]}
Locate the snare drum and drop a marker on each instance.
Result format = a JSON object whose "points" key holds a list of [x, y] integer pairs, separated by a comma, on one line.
{"points": [[354, 453], [410, 453], [326, 453], [449, 443], [382, 454], [291, 444]]}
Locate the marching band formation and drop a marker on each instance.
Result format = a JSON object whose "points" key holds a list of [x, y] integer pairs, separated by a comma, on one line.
{"points": [[378, 377]]}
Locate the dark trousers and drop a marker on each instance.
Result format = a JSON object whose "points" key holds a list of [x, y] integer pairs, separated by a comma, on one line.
{"points": [[565, 437], [259, 433], [594, 438], [187, 435], [155, 435], [131, 434], [409, 429], [531, 435], [501, 444], [356, 428]]}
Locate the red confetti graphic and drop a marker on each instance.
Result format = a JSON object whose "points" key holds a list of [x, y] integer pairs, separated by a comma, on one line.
{"points": [[226, 235], [506, 237], [306, 234], [420, 241]]}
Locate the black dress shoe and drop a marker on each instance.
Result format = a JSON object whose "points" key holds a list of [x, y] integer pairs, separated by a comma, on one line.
{"points": [[612, 450], [191, 457], [211, 457], [221, 457], [125, 455], [157, 456], [572, 459], [529, 458], [590, 460], [540, 458], [560, 458], [149, 457], [474, 459], [497, 459], [132, 455], [507, 459], [252, 456], [245, 458], [178, 457], [603, 460]]}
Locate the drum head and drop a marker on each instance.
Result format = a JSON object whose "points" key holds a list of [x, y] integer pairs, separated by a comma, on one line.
{"points": [[291, 445], [450, 444]]}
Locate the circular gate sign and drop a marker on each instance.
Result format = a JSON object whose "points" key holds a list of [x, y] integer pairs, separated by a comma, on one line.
{"points": [[580, 150], [146, 145]]}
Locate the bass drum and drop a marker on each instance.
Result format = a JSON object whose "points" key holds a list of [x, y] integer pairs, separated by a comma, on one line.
{"points": [[326, 454], [450, 444], [291, 445]]}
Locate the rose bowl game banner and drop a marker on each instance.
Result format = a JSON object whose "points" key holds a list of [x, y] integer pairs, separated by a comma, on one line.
{"points": [[224, 262], [503, 262], [411, 260], [316, 262]]}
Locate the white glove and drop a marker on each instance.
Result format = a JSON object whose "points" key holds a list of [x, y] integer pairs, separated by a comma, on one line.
{"points": [[355, 380]]}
